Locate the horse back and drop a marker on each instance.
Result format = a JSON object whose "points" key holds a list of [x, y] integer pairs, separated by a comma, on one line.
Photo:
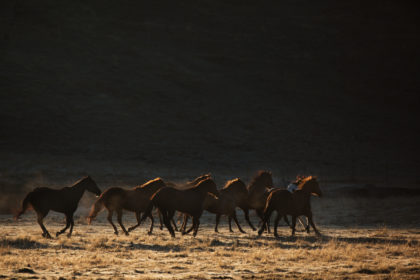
{"points": [[59, 200], [188, 201], [279, 199], [119, 198], [237, 190]]}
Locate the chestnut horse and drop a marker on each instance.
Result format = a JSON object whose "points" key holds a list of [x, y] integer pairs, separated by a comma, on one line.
{"points": [[294, 204], [191, 201], [63, 200], [134, 200]]}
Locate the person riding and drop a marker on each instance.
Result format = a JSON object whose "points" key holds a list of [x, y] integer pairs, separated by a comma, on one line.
{"points": [[292, 187]]}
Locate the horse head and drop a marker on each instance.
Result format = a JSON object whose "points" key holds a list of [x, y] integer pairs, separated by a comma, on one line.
{"points": [[208, 185], [91, 186], [263, 179], [310, 185]]}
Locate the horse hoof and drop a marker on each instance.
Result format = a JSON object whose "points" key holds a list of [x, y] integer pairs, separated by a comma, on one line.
{"points": [[57, 234], [69, 235], [149, 233], [116, 233]]}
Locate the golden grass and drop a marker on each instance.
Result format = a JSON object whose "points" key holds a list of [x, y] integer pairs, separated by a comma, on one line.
{"points": [[94, 252]]}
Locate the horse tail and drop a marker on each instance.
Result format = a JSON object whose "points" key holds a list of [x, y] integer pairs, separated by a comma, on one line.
{"points": [[25, 204], [96, 208]]}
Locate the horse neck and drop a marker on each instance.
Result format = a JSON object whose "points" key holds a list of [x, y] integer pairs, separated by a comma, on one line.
{"points": [[203, 190], [78, 190], [306, 188], [257, 186]]}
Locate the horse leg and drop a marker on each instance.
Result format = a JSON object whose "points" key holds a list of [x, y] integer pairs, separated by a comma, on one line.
{"points": [[188, 231], [246, 213], [266, 218], [119, 219], [307, 225], [152, 221], [110, 212], [311, 222], [230, 223], [167, 222], [138, 222], [160, 219], [196, 224], [276, 223], [71, 225], [40, 219], [293, 225], [184, 223], [174, 224], [236, 221], [65, 228], [217, 222], [260, 214]]}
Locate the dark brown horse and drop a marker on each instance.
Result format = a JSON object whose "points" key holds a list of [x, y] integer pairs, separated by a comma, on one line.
{"points": [[233, 194], [294, 204], [237, 191], [191, 201], [258, 191], [64, 200], [183, 186], [134, 200], [224, 205]]}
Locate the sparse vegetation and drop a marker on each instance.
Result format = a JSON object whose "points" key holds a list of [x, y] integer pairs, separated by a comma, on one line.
{"points": [[94, 252]]}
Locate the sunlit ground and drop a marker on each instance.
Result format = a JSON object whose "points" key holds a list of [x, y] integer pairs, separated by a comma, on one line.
{"points": [[94, 252]]}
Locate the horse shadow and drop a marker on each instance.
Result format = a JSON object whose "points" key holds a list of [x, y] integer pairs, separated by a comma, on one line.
{"points": [[317, 241], [156, 247], [23, 243]]}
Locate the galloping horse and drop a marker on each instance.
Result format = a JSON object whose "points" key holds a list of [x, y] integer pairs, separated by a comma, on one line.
{"points": [[64, 200], [183, 186], [233, 194], [258, 191], [191, 201], [236, 190], [294, 204], [119, 199]]}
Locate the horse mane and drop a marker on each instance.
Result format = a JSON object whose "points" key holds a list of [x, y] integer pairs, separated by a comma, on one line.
{"points": [[228, 183], [202, 182], [150, 182], [80, 180], [305, 180]]}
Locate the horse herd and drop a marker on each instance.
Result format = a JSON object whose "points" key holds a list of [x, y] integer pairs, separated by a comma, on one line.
{"points": [[189, 199]]}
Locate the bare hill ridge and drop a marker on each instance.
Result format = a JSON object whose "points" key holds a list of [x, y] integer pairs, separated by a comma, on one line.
{"points": [[324, 88]]}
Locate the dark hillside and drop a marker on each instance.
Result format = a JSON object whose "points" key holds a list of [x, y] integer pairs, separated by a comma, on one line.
{"points": [[326, 87]]}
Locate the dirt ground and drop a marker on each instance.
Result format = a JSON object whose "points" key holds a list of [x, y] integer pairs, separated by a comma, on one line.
{"points": [[356, 242]]}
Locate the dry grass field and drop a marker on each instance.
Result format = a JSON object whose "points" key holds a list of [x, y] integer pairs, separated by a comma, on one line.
{"points": [[357, 242]]}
